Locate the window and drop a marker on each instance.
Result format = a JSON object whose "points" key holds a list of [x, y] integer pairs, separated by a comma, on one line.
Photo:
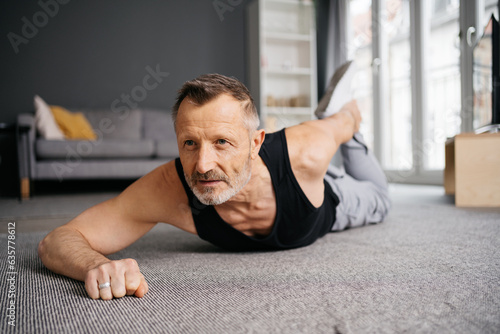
{"points": [[360, 49], [399, 118], [410, 60], [442, 80]]}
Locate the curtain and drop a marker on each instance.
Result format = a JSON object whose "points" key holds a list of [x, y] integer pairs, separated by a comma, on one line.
{"points": [[331, 39], [331, 16]]}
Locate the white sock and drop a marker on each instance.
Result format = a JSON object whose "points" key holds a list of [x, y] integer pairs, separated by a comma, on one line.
{"points": [[343, 92]]}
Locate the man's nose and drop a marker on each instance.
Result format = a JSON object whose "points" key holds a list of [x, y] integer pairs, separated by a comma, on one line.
{"points": [[206, 159]]}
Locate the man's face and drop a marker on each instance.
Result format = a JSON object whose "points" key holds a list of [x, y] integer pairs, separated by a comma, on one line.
{"points": [[214, 148]]}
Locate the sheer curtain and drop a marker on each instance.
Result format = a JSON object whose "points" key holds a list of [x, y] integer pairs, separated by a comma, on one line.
{"points": [[331, 44], [331, 39]]}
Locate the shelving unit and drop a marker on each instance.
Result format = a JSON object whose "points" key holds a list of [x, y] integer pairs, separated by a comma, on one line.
{"points": [[282, 61]]}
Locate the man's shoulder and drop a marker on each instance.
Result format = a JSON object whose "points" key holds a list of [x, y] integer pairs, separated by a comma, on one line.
{"points": [[167, 177], [160, 196], [164, 177], [168, 172]]}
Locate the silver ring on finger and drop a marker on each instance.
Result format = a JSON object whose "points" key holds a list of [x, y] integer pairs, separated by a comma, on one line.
{"points": [[104, 285]]}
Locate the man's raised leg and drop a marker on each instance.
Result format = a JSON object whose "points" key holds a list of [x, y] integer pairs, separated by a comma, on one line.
{"points": [[363, 191]]}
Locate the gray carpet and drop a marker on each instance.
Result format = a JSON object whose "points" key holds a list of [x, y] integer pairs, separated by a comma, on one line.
{"points": [[429, 268]]}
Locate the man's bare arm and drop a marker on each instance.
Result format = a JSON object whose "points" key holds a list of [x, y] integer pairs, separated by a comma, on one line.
{"points": [[67, 251], [312, 144], [78, 249]]}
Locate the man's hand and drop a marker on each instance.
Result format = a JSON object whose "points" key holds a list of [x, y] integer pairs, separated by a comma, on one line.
{"points": [[124, 277]]}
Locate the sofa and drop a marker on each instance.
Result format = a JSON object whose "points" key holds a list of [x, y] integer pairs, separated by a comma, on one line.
{"points": [[127, 145]]}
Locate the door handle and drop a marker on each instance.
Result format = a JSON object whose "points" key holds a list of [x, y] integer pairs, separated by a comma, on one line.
{"points": [[470, 31], [376, 65]]}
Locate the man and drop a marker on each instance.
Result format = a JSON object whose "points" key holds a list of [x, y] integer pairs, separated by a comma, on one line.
{"points": [[233, 185]]}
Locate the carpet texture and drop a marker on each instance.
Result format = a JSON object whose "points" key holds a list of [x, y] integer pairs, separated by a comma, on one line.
{"points": [[429, 268]]}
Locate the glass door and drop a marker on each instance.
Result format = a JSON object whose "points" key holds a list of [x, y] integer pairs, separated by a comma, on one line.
{"points": [[360, 50], [397, 147], [442, 80], [411, 79]]}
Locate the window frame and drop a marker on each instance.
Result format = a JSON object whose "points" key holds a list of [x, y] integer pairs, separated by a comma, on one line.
{"points": [[471, 13]]}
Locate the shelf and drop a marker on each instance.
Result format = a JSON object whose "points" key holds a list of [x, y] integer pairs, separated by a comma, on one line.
{"points": [[282, 61], [291, 2], [287, 19], [292, 71], [287, 36], [284, 111]]}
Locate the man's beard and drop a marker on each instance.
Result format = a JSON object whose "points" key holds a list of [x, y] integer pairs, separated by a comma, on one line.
{"points": [[208, 196]]}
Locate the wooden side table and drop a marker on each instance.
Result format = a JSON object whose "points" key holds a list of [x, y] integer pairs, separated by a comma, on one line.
{"points": [[472, 170], [24, 180]]}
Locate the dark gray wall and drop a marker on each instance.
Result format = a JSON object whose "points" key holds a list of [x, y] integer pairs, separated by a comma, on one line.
{"points": [[91, 52]]}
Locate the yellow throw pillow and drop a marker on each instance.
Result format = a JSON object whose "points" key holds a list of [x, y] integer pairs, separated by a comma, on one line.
{"points": [[73, 125]]}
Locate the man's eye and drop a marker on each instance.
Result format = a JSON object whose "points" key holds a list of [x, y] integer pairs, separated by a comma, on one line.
{"points": [[221, 141], [189, 143]]}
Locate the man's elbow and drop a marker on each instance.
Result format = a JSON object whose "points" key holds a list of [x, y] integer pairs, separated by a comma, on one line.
{"points": [[42, 248]]}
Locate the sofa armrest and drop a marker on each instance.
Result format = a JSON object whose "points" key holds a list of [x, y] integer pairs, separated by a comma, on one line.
{"points": [[26, 119], [26, 135]]}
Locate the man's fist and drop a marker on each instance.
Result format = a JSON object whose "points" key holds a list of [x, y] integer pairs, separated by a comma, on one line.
{"points": [[123, 276]]}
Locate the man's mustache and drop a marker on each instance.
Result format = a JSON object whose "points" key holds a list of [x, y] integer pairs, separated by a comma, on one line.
{"points": [[210, 175]]}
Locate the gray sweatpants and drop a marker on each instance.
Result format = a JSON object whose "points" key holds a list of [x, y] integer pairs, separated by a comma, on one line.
{"points": [[361, 188]]}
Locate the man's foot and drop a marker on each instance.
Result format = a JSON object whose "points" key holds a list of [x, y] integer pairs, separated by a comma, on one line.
{"points": [[357, 142], [338, 92]]}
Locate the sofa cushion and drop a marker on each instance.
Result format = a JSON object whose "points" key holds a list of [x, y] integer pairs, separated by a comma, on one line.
{"points": [[166, 149], [158, 125], [111, 125], [44, 120], [74, 125], [100, 149]]}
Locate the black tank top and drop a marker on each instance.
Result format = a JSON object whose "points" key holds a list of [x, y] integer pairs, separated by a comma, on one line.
{"points": [[298, 223]]}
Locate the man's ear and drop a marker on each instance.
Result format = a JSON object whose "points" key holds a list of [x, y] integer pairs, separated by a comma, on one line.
{"points": [[257, 140]]}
